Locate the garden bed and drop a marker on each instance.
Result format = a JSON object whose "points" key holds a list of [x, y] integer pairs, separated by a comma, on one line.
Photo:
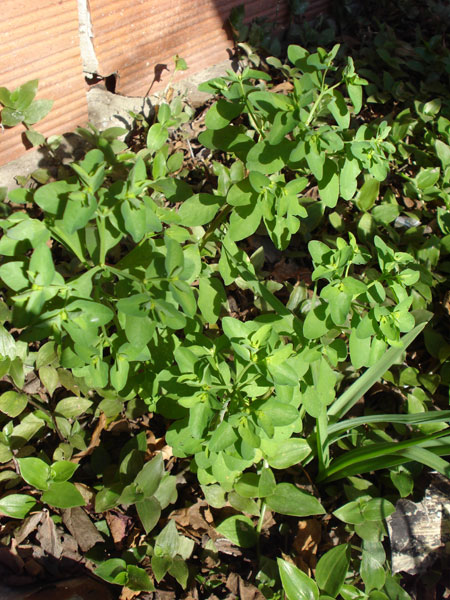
{"points": [[225, 341]]}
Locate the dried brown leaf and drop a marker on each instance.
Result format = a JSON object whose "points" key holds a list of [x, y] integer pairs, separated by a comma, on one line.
{"points": [[49, 537], [306, 543], [118, 525], [127, 594], [81, 527], [247, 591], [27, 527], [95, 439]]}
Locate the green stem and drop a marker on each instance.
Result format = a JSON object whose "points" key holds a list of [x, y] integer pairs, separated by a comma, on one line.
{"points": [[323, 92], [101, 233], [249, 108], [61, 237], [215, 224], [259, 528]]}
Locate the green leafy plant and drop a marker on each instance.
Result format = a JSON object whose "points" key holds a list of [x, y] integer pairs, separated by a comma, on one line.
{"points": [[117, 279]]}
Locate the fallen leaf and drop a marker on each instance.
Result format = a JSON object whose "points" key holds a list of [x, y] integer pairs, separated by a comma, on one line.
{"points": [[284, 270], [95, 439], [49, 537], [81, 527], [10, 560], [118, 525], [284, 86], [32, 567], [28, 526], [86, 492], [247, 591], [127, 594], [306, 543], [232, 583], [83, 588]]}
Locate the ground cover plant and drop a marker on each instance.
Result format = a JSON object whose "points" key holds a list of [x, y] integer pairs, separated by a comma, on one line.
{"points": [[223, 360]]}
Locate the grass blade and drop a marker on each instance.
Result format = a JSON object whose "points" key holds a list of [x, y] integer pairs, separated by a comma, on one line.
{"points": [[351, 396]]}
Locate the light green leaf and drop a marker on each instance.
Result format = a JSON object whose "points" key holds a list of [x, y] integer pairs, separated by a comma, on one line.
{"points": [[63, 495], [349, 398], [296, 584], [199, 209], [239, 530], [332, 568], [17, 505], [35, 472], [150, 476], [149, 512], [12, 403]]}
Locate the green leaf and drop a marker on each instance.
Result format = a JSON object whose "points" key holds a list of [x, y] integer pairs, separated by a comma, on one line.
{"points": [[23, 96], [180, 571], [338, 108], [211, 295], [34, 137], [426, 178], [49, 378], [278, 412], [16, 506], [37, 111], [377, 509], [244, 221], [168, 540], [239, 530], [443, 152], [160, 566], [150, 476], [222, 437], [63, 495], [372, 572], [244, 505], [315, 324], [7, 344], [72, 407], [222, 113], [267, 158], [289, 500], [267, 483], [149, 512], [12, 403], [247, 485], [368, 194], [35, 472], [138, 579], [296, 584], [355, 94], [199, 209], [281, 455], [156, 136], [329, 184], [349, 398], [62, 470], [11, 117], [348, 180], [332, 568], [113, 570], [350, 512]]}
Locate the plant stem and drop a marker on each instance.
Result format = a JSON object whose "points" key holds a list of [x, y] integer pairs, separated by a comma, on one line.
{"points": [[101, 233], [215, 223]]}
